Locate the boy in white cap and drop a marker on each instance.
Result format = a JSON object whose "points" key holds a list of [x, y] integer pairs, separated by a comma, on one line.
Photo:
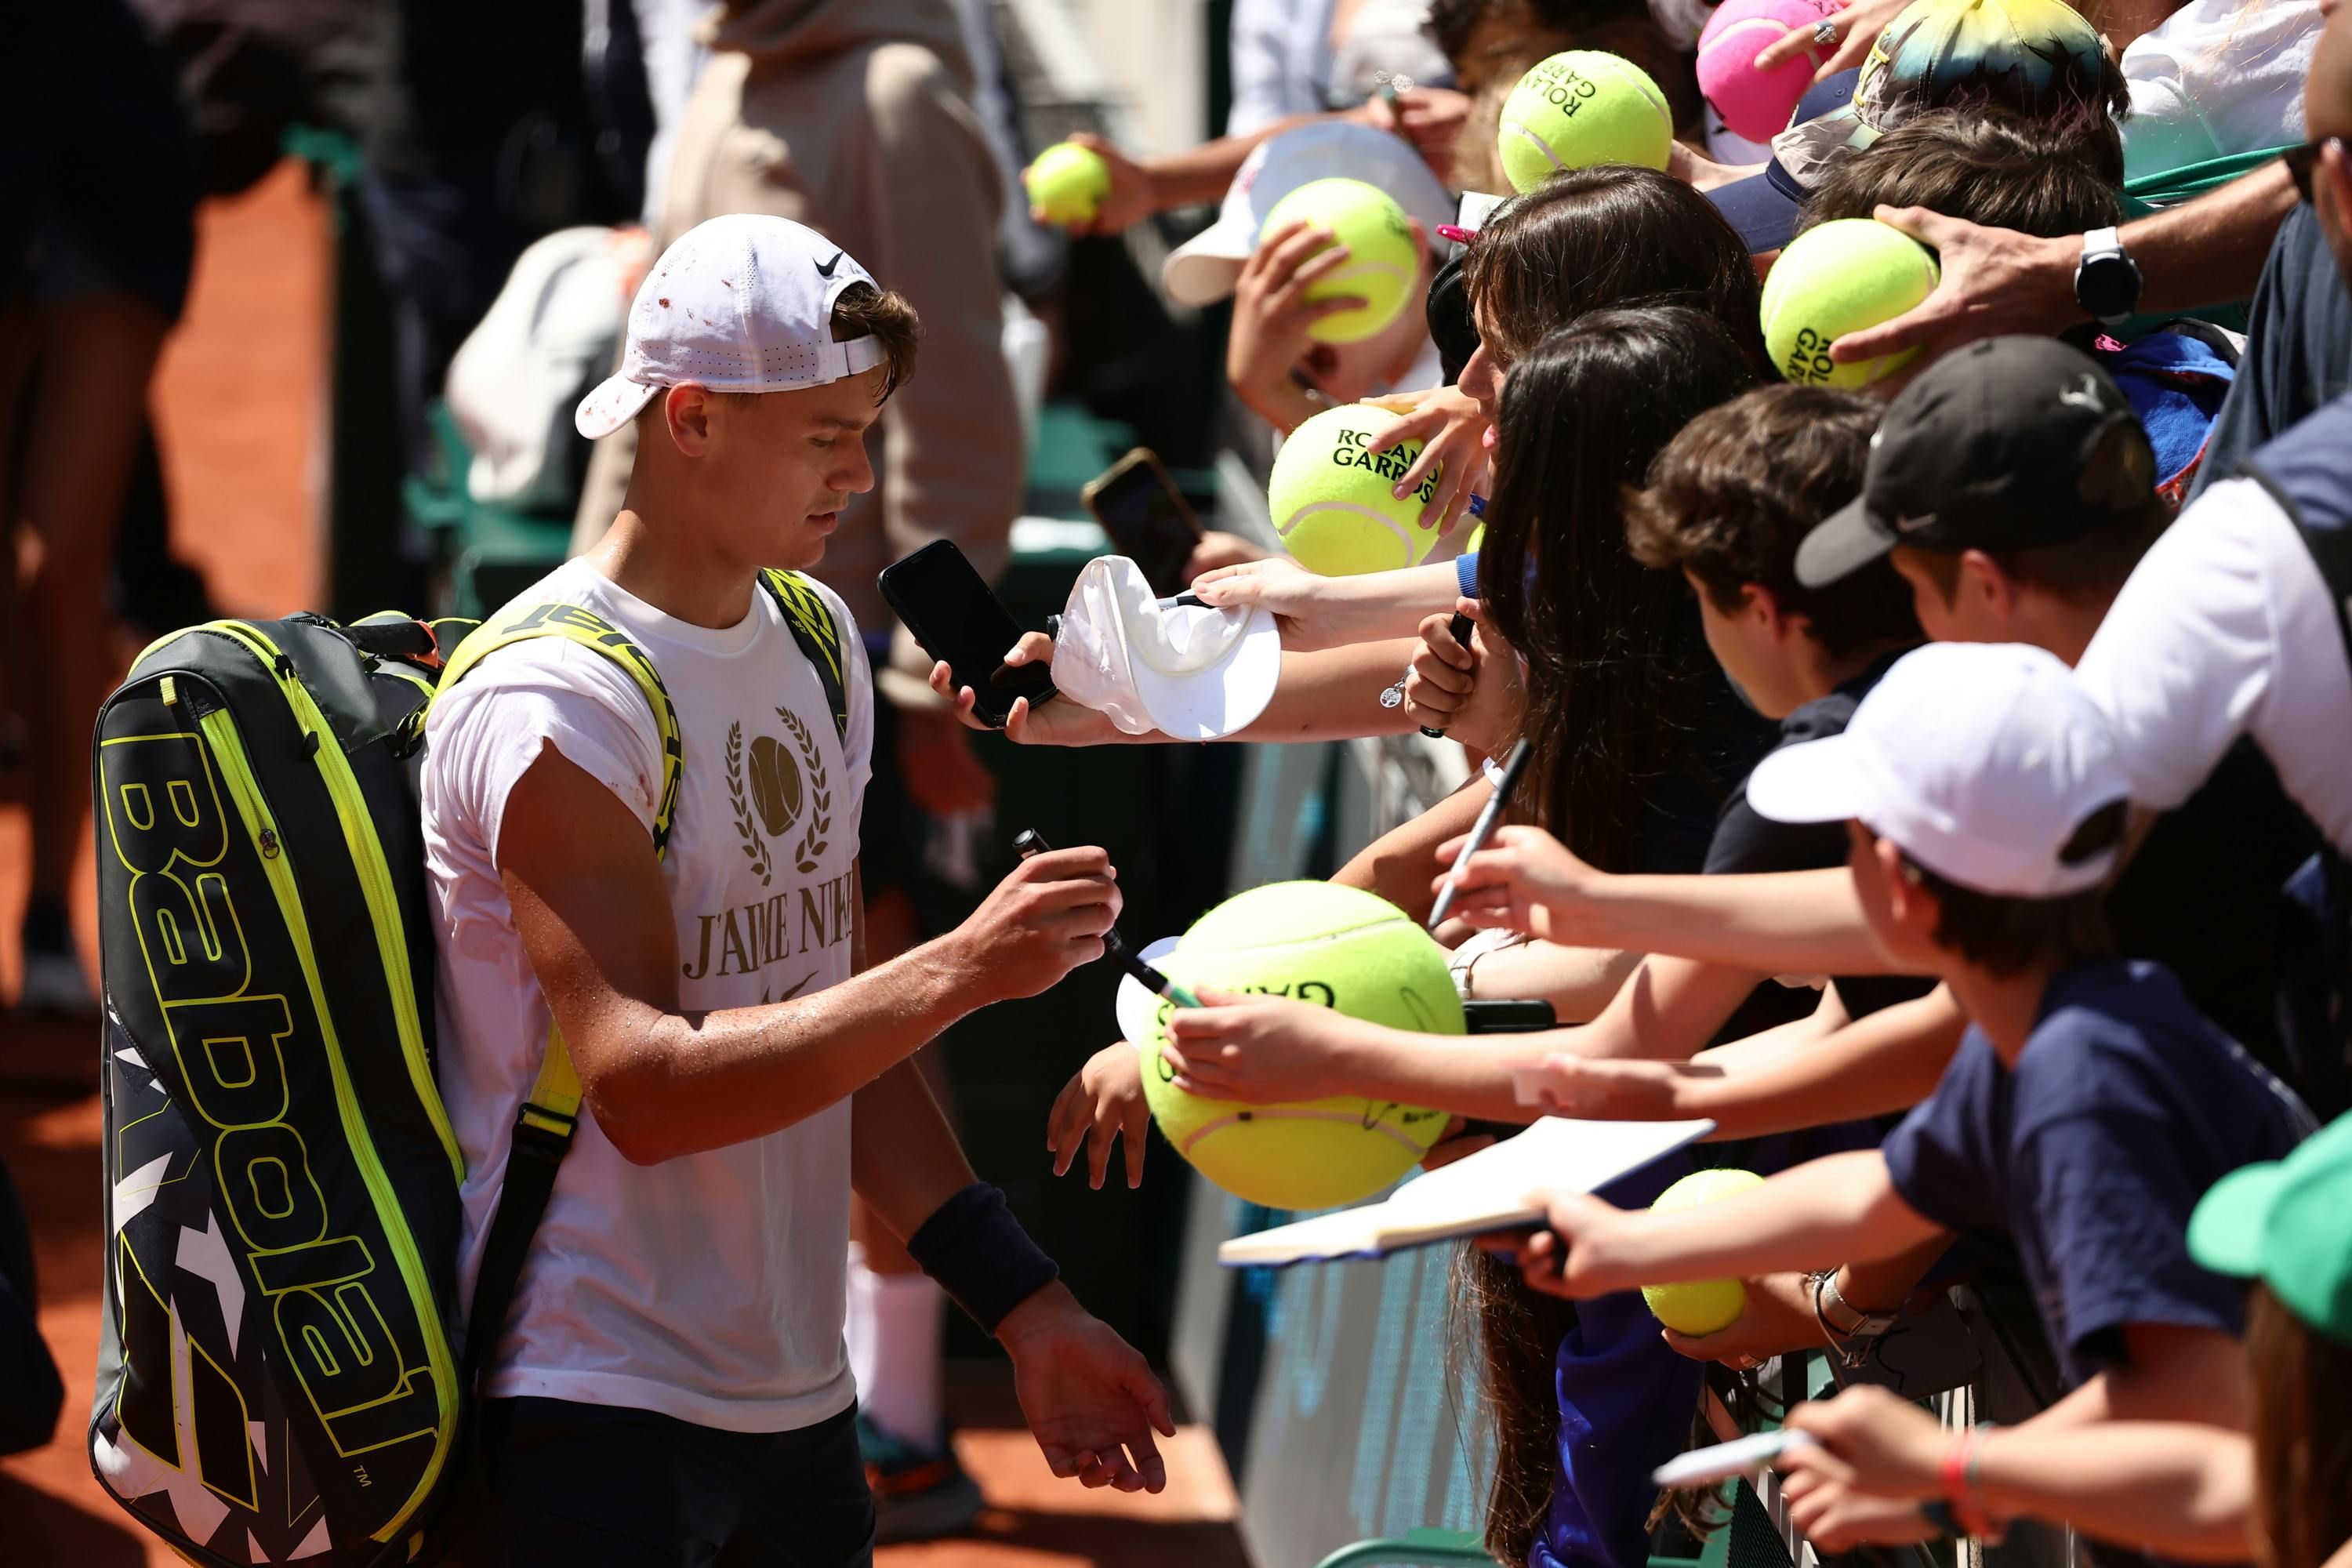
{"points": [[678, 895], [2088, 1106]]}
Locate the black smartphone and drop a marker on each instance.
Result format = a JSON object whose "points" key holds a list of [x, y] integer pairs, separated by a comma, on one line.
{"points": [[1498, 1016], [1147, 517], [959, 621]]}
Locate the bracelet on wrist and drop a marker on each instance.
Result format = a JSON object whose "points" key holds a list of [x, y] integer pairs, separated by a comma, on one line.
{"points": [[1848, 1355], [1959, 1475]]}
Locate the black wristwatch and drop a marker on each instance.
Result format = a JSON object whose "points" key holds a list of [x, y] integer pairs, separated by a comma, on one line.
{"points": [[2107, 280]]}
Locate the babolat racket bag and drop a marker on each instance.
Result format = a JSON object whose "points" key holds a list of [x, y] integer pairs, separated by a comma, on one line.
{"points": [[276, 1381]]}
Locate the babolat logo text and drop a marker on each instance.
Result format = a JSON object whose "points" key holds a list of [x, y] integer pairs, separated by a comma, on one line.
{"points": [[240, 1041], [1353, 452]]}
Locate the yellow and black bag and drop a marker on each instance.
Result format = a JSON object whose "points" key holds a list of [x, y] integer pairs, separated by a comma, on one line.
{"points": [[278, 1379]]}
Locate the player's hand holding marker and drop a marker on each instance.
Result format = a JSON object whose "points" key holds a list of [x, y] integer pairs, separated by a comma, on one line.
{"points": [[1046, 918]]}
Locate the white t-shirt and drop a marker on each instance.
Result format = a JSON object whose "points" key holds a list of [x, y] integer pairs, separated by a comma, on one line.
{"points": [[2217, 78], [710, 1287], [2225, 628]]}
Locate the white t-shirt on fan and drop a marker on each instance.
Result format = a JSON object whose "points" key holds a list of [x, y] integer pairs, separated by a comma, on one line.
{"points": [[710, 1287], [2226, 629]]}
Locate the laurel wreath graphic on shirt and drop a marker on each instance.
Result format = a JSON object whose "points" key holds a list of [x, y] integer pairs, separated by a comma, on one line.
{"points": [[755, 847], [817, 833]]}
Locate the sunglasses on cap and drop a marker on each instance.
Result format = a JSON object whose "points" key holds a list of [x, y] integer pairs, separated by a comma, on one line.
{"points": [[2301, 161]]}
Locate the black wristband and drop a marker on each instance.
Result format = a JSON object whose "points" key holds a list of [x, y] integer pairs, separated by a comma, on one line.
{"points": [[979, 1254]]}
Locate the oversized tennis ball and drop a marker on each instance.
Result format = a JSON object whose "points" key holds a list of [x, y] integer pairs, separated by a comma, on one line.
{"points": [[1067, 183], [1700, 1306], [1328, 495], [1757, 103], [1839, 277], [1383, 261], [1579, 107], [1336, 947]]}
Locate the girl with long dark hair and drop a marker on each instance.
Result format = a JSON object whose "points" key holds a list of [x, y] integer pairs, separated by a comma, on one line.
{"points": [[1625, 712]]}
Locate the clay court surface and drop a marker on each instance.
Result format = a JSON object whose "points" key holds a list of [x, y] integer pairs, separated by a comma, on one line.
{"points": [[239, 407]]}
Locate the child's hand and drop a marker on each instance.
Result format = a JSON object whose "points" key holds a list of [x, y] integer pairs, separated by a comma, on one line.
{"points": [[1870, 1441], [1778, 1318], [1474, 694], [1573, 1257], [1260, 1049], [1526, 880], [1105, 1099], [1454, 434]]}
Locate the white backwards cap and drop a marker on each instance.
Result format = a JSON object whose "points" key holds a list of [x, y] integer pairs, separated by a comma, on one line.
{"points": [[741, 303]]}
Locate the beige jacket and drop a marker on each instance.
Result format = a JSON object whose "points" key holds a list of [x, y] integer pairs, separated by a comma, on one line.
{"points": [[852, 116]]}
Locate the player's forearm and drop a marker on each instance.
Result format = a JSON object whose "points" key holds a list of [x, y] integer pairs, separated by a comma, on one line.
{"points": [[1790, 923], [904, 1160], [2177, 1489], [1875, 1066], [1814, 1216], [680, 1083]]}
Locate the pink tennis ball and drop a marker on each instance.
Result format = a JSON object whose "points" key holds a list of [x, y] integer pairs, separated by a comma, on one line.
{"points": [[1757, 103]]}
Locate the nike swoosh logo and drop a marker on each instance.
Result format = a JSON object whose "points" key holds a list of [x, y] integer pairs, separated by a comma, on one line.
{"points": [[825, 269], [793, 993]]}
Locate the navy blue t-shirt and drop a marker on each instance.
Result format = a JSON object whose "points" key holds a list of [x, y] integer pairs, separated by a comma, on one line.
{"points": [[1746, 841], [2123, 1107]]}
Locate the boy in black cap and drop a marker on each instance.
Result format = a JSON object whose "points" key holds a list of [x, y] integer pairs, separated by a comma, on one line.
{"points": [[2012, 487]]}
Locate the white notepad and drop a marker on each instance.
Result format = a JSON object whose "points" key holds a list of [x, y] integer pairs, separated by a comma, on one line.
{"points": [[1485, 1191]]}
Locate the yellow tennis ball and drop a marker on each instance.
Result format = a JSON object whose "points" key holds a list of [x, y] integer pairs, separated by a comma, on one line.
{"points": [[1336, 947], [1383, 260], [1700, 1306], [1330, 495], [1839, 277], [1067, 183], [1579, 107]]}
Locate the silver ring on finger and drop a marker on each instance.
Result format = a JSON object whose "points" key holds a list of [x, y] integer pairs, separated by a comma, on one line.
{"points": [[1825, 31]]}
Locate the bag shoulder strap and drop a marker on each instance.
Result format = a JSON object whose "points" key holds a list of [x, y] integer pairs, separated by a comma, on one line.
{"points": [[600, 636], [819, 636], [549, 1114]]}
